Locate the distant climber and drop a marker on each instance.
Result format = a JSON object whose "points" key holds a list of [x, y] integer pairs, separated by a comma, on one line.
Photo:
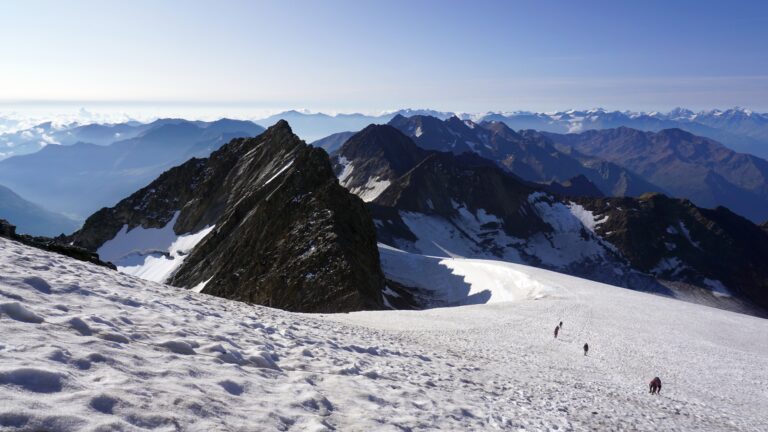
{"points": [[655, 386], [586, 348], [561, 325], [557, 330]]}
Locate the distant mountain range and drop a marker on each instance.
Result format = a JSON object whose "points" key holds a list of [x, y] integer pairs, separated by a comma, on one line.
{"points": [[527, 154], [442, 204], [31, 218], [582, 194], [683, 164], [97, 165], [314, 126], [739, 129], [34, 139], [617, 162], [333, 142], [80, 178]]}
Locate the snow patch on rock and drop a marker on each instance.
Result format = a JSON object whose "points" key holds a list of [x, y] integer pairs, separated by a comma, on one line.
{"points": [[371, 190], [151, 253], [282, 170]]}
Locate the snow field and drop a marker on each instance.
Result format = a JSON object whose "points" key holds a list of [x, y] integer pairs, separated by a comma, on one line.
{"points": [[86, 348]]}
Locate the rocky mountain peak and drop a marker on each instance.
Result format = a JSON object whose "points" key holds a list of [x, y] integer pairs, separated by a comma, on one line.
{"points": [[383, 141], [271, 226]]}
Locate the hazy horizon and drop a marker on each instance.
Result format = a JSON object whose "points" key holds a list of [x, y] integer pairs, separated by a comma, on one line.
{"points": [[146, 110], [327, 56]]}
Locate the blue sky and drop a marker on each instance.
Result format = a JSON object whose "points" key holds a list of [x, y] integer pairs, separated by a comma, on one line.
{"points": [[376, 55]]}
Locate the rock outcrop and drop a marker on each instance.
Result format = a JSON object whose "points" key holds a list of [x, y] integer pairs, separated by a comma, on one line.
{"points": [[286, 234], [58, 245]]}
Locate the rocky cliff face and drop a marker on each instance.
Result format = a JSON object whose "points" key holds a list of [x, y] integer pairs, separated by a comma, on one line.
{"points": [[676, 241], [277, 228]]}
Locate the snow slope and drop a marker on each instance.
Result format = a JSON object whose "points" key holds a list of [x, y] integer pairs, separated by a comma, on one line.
{"points": [[86, 348], [153, 254], [367, 192], [481, 235]]}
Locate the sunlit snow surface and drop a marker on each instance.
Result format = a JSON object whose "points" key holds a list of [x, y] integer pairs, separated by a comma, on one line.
{"points": [[369, 191], [153, 254], [85, 348]]}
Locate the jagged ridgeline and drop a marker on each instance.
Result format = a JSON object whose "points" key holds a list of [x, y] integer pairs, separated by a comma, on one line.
{"points": [[262, 220]]}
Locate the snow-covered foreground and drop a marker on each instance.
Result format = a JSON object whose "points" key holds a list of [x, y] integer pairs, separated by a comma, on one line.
{"points": [[86, 348]]}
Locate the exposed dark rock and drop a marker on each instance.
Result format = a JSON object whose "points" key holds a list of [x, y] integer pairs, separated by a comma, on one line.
{"points": [[442, 180], [378, 153], [698, 244], [57, 245], [287, 234]]}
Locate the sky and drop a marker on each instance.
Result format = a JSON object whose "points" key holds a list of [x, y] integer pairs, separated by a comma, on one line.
{"points": [[368, 56]]}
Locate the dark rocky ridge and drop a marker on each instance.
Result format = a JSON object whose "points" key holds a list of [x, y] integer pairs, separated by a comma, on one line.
{"points": [[430, 181], [378, 152], [287, 234], [57, 245]]}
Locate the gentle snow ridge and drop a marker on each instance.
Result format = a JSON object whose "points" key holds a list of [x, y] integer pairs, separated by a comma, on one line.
{"points": [[457, 281]]}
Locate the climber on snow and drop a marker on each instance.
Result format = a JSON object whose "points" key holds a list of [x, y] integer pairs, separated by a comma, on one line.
{"points": [[557, 330], [655, 386], [586, 348]]}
